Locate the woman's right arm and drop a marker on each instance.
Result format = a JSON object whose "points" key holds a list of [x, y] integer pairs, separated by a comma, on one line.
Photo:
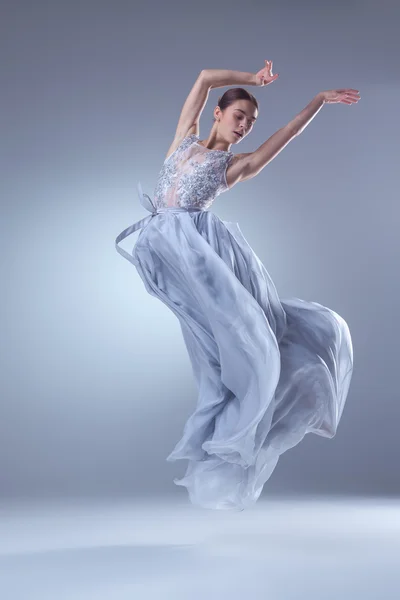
{"points": [[221, 77], [193, 106]]}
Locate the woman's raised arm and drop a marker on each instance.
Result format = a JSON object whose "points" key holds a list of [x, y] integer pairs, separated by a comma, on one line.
{"points": [[253, 162], [211, 78], [193, 106], [221, 77]]}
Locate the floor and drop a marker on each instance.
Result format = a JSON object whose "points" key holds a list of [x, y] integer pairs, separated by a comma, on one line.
{"points": [[282, 549]]}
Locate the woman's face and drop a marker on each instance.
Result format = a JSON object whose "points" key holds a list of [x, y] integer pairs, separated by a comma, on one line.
{"points": [[239, 116]]}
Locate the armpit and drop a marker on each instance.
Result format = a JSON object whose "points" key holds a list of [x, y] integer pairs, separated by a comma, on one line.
{"points": [[236, 169]]}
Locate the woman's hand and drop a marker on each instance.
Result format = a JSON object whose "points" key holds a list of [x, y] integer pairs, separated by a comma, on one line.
{"points": [[345, 95], [264, 76]]}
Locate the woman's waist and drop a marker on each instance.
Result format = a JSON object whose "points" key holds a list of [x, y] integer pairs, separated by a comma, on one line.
{"points": [[161, 209]]}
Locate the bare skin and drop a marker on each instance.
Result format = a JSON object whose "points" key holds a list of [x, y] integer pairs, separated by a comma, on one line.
{"points": [[241, 117]]}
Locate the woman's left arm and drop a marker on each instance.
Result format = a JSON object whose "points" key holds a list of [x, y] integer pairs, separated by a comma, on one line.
{"points": [[254, 162]]}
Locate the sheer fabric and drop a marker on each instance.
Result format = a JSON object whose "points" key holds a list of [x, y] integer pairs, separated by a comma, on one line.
{"points": [[267, 370]]}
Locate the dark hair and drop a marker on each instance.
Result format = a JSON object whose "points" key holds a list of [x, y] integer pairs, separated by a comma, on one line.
{"points": [[234, 94]]}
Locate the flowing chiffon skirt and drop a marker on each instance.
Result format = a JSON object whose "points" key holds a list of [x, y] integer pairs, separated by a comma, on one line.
{"points": [[267, 370]]}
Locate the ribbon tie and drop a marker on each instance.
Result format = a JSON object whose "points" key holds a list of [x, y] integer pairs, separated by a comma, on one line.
{"points": [[145, 200], [149, 205]]}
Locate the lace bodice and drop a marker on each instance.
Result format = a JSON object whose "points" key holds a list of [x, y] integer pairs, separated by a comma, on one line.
{"points": [[192, 176]]}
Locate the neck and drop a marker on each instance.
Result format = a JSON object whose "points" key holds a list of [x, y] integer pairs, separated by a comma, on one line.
{"points": [[213, 143]]}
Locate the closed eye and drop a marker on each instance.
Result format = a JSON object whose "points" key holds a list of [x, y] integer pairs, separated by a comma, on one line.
{"points": [[249, 123]]}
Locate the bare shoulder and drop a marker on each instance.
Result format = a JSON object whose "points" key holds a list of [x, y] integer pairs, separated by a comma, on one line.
{"points": [[194, 129], [236, 170]]}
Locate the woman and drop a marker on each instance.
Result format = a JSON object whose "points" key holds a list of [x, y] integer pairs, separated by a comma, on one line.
{"points": [[267, 370]]}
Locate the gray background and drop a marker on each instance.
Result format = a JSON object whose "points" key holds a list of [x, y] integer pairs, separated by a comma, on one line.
{"points": [[95, 380]]}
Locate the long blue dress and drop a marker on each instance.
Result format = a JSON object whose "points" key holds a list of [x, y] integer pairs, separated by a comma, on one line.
{"points": [[267, 370]]}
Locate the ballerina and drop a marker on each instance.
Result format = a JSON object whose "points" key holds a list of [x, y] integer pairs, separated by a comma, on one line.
{"points": [[267, 370]]}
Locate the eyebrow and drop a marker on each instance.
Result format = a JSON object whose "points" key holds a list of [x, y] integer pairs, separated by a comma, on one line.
{"points": [[255, 118]]}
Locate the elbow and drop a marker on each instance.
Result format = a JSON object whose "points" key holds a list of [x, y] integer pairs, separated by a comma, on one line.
{"points": [[205, 77]]}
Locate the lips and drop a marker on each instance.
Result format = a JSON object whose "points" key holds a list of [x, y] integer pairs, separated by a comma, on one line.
{"points": [[237, 133]]}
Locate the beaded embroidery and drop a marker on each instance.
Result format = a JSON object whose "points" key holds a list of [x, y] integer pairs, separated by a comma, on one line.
{"points": [[192, 176]]}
